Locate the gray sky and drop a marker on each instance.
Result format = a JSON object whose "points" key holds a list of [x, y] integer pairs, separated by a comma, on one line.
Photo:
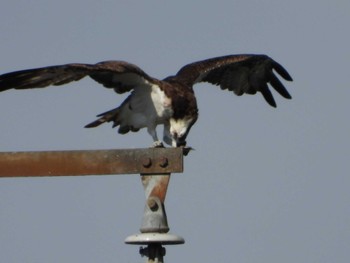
{"points": [[264, 184]]}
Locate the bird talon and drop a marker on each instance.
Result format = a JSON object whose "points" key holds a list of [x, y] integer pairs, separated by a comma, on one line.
{"points": [[158, 144]]}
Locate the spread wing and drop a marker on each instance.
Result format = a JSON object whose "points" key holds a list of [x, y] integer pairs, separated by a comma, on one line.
{"points": [[119, 75], [238, 73]]}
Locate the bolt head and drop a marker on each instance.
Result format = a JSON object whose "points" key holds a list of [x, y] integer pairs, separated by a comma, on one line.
{"points": [[163, 162], [147, 162], [152, 204]]}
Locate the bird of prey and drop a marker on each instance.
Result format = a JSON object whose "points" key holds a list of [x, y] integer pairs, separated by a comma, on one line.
{"points": [[170, 102]]}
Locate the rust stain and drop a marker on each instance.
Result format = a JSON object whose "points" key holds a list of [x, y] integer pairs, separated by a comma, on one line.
{"points": [[95, 162], [160, 189]]}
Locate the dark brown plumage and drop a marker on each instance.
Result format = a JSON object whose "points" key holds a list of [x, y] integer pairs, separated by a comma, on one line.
{"points": [[170, 102]]}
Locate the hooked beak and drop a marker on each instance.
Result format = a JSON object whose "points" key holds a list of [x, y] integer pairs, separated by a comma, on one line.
{"points": [[180, 143]]}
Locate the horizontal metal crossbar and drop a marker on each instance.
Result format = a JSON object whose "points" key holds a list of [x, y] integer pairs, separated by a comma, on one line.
{"points": [[91, 162]]}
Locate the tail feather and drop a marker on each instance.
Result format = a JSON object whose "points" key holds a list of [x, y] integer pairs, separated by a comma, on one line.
{"points": [[107, 116]]}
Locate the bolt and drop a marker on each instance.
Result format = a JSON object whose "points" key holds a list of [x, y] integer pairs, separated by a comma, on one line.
{"points": [[152, 204], [163, 162], [147, 162]]}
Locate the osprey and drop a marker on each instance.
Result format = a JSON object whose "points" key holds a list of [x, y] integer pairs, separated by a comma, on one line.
{"points": [[152, 102]]}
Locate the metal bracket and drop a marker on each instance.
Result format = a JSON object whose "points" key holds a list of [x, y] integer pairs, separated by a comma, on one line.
{"points": [[154, 165], [91, 162]]}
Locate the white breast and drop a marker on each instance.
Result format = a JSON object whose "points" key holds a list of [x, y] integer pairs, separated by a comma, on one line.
{"points": [[161, 103], [148, 106]]}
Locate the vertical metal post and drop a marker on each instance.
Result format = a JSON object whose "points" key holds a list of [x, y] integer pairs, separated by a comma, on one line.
{"points": [[154, 216], [154, 228]]}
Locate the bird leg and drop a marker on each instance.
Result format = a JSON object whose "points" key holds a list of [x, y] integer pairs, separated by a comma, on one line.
{"points": [[156, 142], [167, 138]]}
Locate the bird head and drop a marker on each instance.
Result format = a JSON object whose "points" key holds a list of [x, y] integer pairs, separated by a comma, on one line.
{"points": [[179, 129]]}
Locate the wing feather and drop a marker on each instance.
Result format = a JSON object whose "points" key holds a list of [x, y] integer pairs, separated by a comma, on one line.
{"points": [[242, 74], [119, 75], [38, 78]]}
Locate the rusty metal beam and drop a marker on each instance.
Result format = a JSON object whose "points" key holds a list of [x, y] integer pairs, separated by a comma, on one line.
{"points": [[95, 162]]}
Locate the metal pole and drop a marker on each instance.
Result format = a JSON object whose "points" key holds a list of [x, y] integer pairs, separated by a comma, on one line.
{"points": [[154, 228]]}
